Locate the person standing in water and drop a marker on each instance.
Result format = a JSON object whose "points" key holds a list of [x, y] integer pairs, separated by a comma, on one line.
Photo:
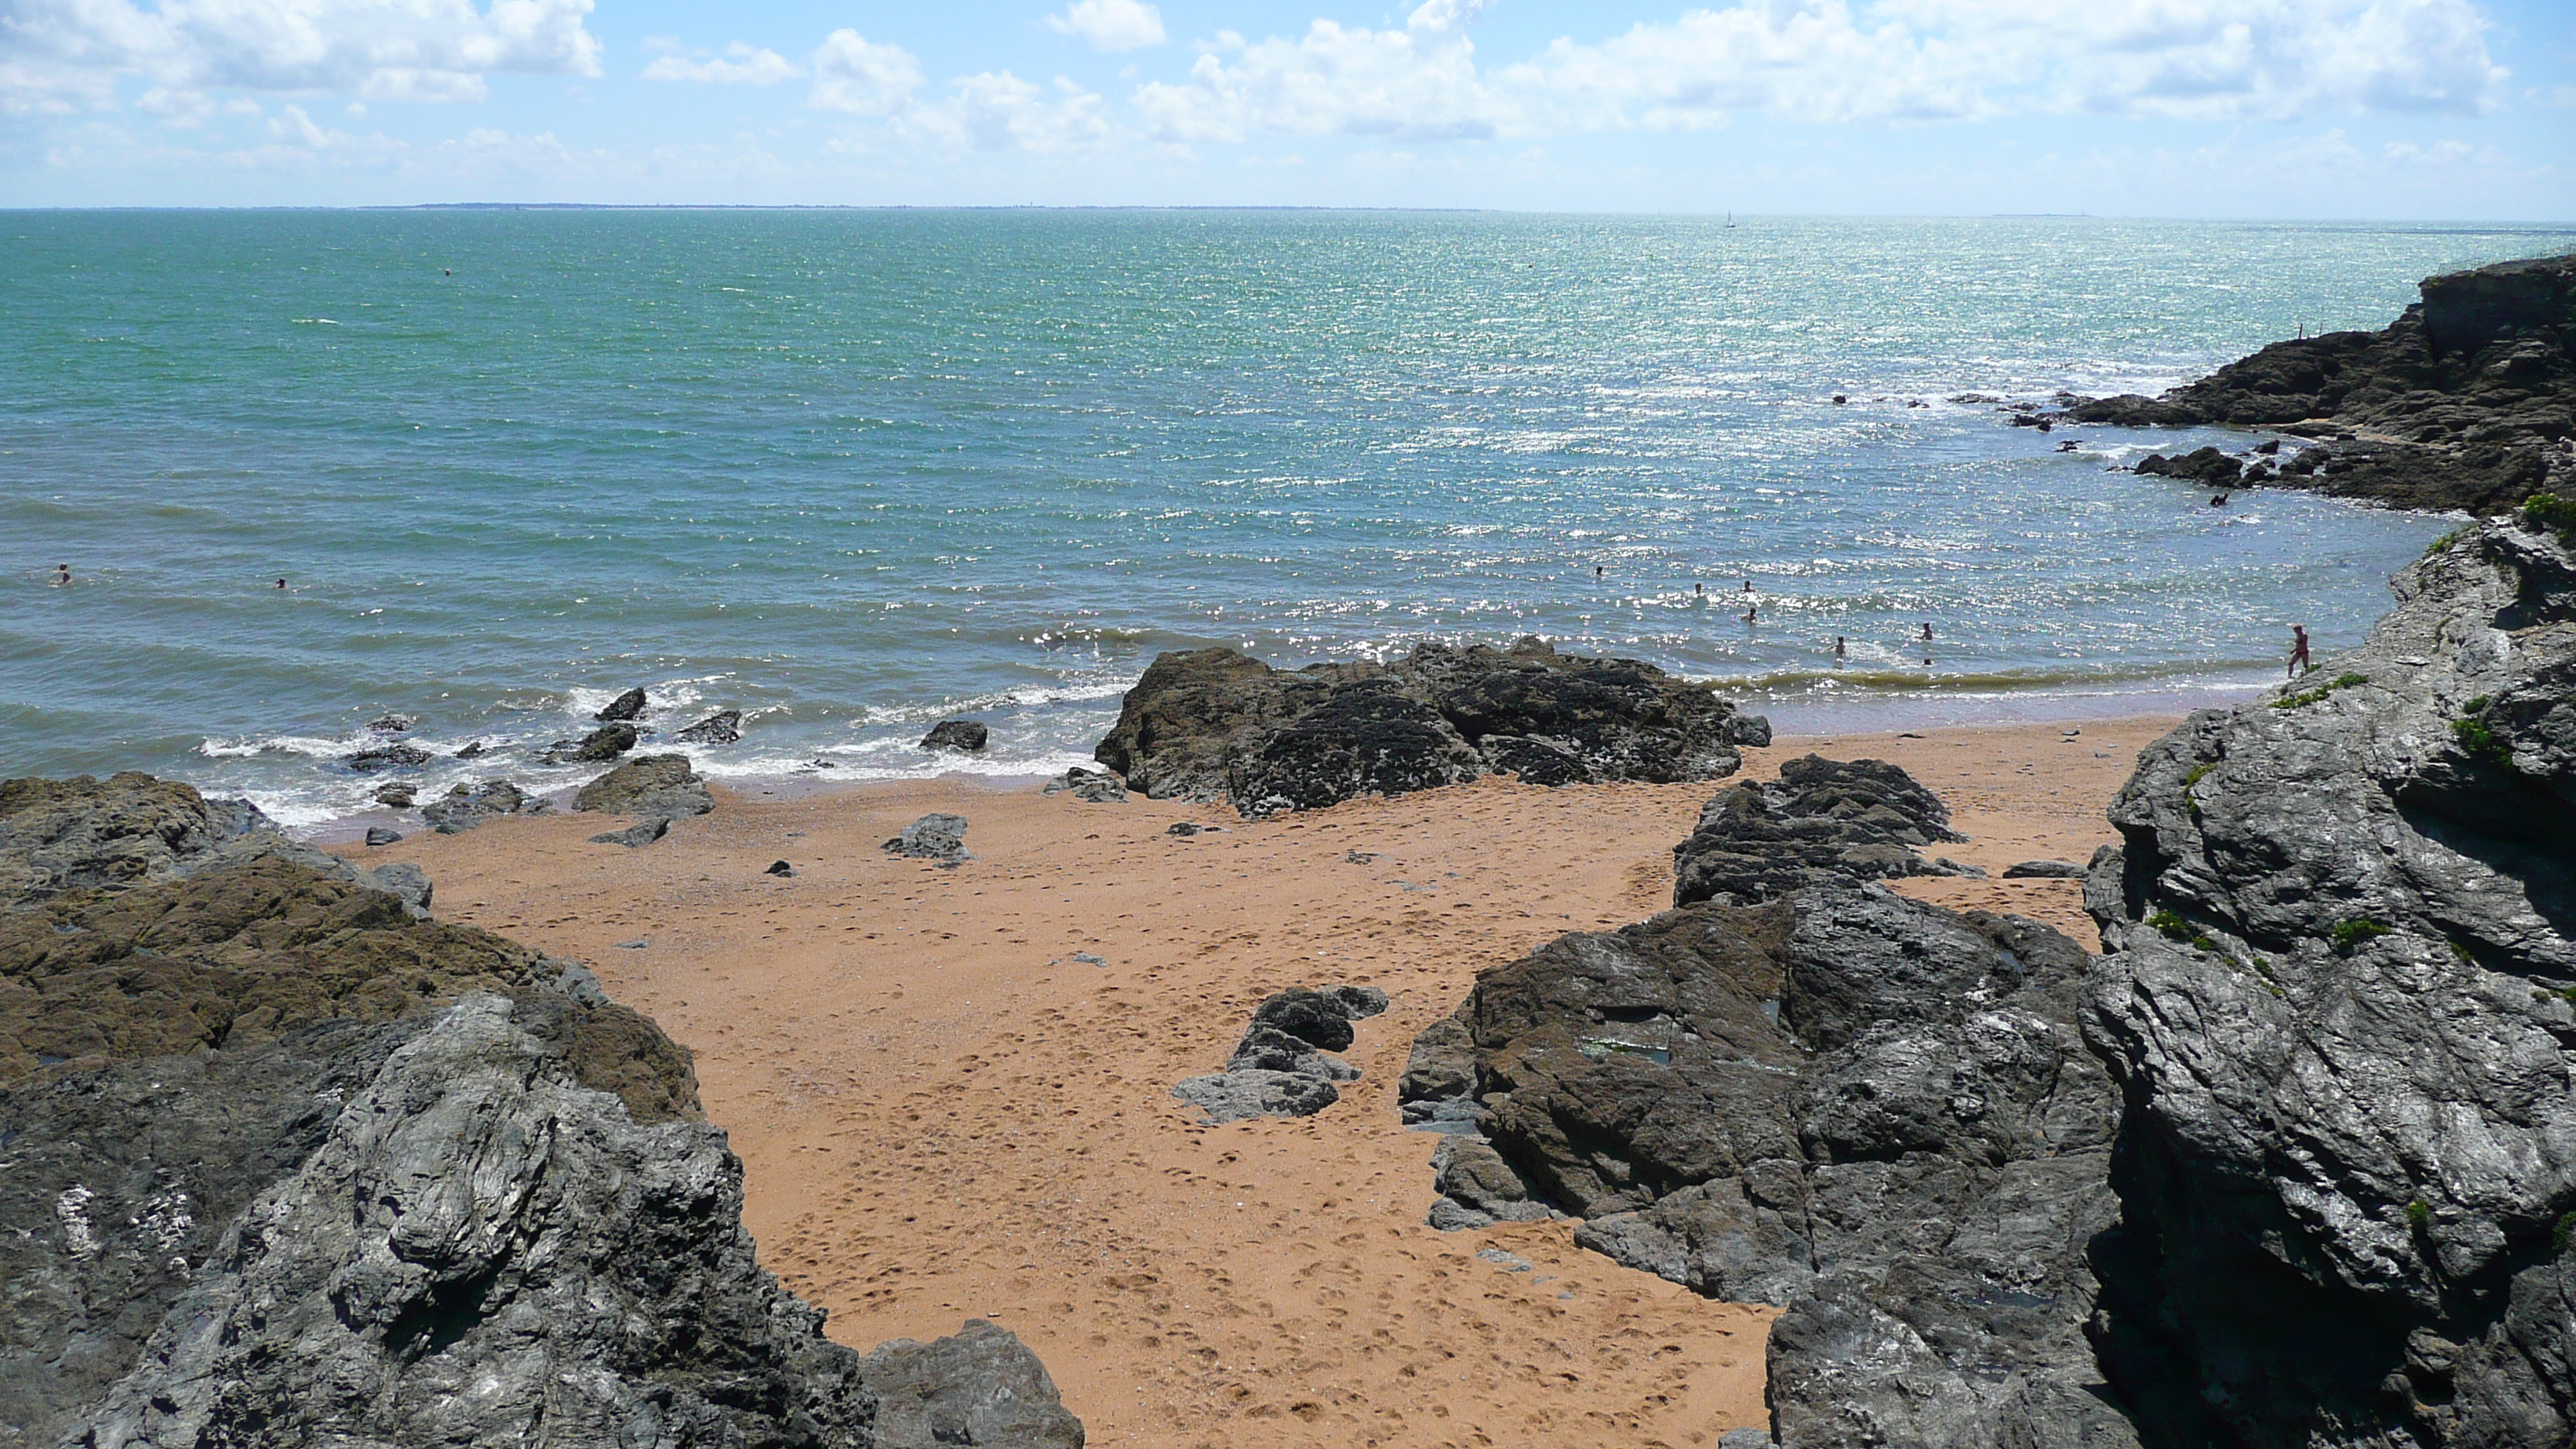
{"points": [[1838, 646], [281, 583], [1750, 610], [1927, 631], [2299, 661], [62, 575]]}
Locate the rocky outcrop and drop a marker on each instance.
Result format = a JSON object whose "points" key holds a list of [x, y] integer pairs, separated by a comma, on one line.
{"points": [[604, 743], [627, 706], [398, 755], [291, 1164], [464, 807], [2337, 1000], [1826, 821], [2467, 401], [963, 735], [652, 790], [1092, 786], [1284, 1066], [82, 833], [980, 1386], [1212, 724], [936, 837], [724, 727]]}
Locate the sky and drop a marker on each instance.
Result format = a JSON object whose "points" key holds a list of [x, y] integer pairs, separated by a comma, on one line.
{"points": [[2296, 109]]}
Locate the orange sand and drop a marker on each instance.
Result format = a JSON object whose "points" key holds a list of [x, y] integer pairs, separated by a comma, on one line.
{"points": [[943, 1115]]}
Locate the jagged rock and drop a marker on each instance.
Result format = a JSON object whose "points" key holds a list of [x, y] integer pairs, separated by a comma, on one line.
{"points": [[627, 706], [1212, 724], [638, 835], [964, 735], [604, 743], [1239, 1096], [2206, 466], [2044, 870], [648, 787], [2460, 403], [390, 724], [933, 837], [472, 749], [82, 833], [290, 1164], [400, 754], [379, 835], [1093, 786], [403, 881], [1286, 1054], [467, 806], [2337, 1000], [981, 1386], [724, 727], [397, 796], [1872, 1111], [1826, 821]]}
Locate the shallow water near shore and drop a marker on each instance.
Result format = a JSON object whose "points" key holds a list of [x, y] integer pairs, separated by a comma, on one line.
{"points": [[854, 472]]}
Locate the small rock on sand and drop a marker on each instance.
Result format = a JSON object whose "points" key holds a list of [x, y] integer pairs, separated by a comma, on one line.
{"points": [[936, 837], [2044, 870], [1095, 786], [379, 835]]}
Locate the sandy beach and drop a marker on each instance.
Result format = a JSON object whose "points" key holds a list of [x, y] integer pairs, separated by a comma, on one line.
{"points": [[950, 1087]]}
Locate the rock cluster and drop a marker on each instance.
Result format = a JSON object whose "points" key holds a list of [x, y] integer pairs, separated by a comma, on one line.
{"points": [[2467, 401], [1094, 786], [1805, 1090], [1213, 724], [290, 1163], [2340, 1001], [1825, 821], [467, 806], [724, 727], [1284, 1066]]}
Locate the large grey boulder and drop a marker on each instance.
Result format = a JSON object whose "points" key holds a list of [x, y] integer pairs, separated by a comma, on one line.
{"points": [[2342, 932], [1825, 821], [653, 790], [1213, 724], [1874, 1112], [466, 807], [979, 1386]]}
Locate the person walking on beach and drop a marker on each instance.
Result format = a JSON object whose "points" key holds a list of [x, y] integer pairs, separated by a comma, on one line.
{"points": [[2299, 661]]}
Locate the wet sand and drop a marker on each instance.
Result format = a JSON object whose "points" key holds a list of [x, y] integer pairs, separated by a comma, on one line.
{"points": [[944, 1113]]}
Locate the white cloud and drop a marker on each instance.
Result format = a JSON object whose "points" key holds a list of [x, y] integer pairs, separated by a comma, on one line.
{"points": [[1418, 83], [998, 111], [1111, 24], [1841, 61], [741, 64], [855, 74], [60, 55]]}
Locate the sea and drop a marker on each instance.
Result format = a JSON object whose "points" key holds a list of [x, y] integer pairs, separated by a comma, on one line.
{"points": [[852, 472]]}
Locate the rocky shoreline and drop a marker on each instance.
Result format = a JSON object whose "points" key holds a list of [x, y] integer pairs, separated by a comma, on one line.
{"points": [[2293, 1162], [292, 1161], [2468, 401]]}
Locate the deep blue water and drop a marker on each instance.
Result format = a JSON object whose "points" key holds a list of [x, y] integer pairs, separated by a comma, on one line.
{"points": [[853, 471]]}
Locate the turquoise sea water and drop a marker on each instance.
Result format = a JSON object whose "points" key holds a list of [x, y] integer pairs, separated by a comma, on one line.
{"points": [[854, 471]]}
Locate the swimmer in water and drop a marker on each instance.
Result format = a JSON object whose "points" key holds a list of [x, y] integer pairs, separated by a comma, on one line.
{"points": [[1596, 571], [281, 583], [62, 575], [1838, 646], [1699, 591], [1750, 610]]}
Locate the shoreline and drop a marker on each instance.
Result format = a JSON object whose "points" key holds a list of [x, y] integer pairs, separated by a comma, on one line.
{"points": [[944, 1113]]}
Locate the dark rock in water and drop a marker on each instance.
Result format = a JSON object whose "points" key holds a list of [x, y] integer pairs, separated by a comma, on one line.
{"points": [[2206, 466], [379, 835], [2044, 870], [648, 787], [1213, 724], [2460, 403], [86, 834], [398, 796], [980, 1387], [472, 750], [467, 806], [956, 734], [935, 837], [604, 743], [779, 867], [387, 757], [723, 727], [2342, 940], [1283, 1066], [627, 706], [1092, 785], [389, 724], [1826, 821]]}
